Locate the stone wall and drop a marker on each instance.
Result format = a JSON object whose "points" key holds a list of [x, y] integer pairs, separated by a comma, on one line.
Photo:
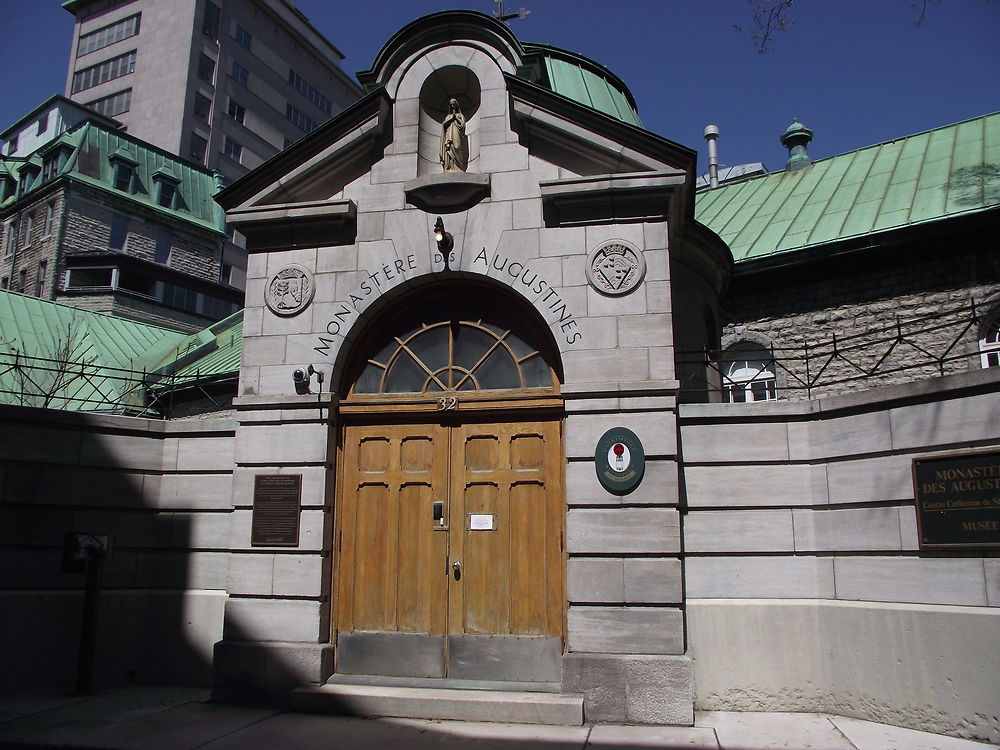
{"points": [[932, 296], [806, 587], [163, 491]]}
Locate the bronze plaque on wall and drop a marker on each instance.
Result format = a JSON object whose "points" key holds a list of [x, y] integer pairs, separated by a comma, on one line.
{"points": [[958, 500], [276, 502]]}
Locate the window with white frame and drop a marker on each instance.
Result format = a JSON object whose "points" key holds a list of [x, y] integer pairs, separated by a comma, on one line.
{"points": [[243, 37], [103, 72], [108, 35], [115, 104], [11, 232], [748, 374], [989, 340], [232, 149], [29, 228], [50, 212]]}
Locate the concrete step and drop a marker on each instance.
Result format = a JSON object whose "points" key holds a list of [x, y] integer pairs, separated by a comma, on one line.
{"points": [[503, 706]]}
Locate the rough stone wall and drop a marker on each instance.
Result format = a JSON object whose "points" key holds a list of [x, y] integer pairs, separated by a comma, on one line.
{"points": [[859, 304], [43, 247], [88, 232], [163, 491]]}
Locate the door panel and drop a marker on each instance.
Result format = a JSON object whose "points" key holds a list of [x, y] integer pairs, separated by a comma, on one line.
{"points": [[501, 489], [392, 576]]}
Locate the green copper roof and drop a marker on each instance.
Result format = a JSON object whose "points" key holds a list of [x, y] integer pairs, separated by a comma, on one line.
{"points": [[211, 354], [586, 82], [62, 357], [89, 153], [939, 174]]}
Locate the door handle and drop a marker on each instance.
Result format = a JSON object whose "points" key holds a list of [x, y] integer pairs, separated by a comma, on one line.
{"points": [[457, 569]]}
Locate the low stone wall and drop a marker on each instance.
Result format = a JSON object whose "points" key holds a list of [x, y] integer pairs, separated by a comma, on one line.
{"points": [[163, 491], [806, 588]]}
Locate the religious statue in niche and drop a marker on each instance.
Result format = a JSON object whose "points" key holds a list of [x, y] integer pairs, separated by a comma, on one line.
{"points": [[454, 156]]}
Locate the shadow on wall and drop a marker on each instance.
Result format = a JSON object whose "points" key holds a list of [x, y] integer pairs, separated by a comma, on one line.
{"points": [[163, 588]]}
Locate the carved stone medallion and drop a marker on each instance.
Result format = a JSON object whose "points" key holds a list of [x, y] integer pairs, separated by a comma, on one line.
{"points": [[289, 290], [615, 268]]}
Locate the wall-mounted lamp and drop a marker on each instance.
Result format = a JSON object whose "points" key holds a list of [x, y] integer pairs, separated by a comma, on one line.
{"points": [[445, 242]]}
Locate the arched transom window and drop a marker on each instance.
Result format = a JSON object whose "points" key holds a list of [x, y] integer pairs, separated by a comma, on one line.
{"points": [[461, 343]]}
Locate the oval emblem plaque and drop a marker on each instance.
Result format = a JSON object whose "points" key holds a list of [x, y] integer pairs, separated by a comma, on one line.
{"points": [[289, 290], [620, 460], [615, 268]]}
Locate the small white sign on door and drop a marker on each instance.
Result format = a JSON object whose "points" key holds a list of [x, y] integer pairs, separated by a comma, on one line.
{"points": [[480, 522]]}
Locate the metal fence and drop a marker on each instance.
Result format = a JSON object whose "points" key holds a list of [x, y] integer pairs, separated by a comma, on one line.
{"points": [[940, 343], [59, 383]]}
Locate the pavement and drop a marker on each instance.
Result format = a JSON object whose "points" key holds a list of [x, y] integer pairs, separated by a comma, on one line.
{"points": [[171, 718]]}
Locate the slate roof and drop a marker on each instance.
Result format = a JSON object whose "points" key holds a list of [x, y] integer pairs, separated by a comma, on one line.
{"points": [[939, 174]]}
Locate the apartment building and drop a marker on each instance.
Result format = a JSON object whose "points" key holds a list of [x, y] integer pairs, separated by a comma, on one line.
{"points": [[94, 217], [224, 83]]}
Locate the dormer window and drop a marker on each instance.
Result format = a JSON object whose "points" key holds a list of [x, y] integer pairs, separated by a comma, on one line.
{"points": [[124, 170], [53, 162], [28, 175], [123, 177], [166, 187], [7, 187]]}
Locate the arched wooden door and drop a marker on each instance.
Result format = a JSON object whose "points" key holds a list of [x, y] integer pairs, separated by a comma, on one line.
{"points": [[451, 514]]}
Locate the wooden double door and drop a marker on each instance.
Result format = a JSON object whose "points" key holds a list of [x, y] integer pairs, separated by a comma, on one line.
{"points": [[450, 550]]}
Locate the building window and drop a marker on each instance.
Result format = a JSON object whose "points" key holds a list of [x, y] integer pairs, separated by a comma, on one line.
{"points": [[162, 248], [116, 104], [240, 73], [166, 192], [299, 119], [108, 35], [119, 232], [50, 211], [50, 165], [233, 150], [198, 148], [225, 273], [4, 283], [40, 279], [90, 278], [989, 340], [202, 106], [212, 17], [123, 177], [748, 374], [309, 92], [43, 123], [237, 111], [11, 244], [243, 37], [206, 67], [103, 72], [29, 226], [22, 280]]}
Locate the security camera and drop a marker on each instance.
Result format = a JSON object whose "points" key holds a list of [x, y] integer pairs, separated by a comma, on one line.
{"points": [[300, 378]]}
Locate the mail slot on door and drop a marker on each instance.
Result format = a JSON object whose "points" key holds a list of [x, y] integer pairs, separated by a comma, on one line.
{"points": [[438, 512]]}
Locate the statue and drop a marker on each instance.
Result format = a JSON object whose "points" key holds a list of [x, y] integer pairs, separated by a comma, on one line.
{"points": [[452, 155]]}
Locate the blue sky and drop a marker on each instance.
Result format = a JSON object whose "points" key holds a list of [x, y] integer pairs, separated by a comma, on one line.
{"points": [[857, 72]]}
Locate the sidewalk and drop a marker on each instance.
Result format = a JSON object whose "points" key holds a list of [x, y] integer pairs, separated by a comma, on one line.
{"points": [[156, 718]]}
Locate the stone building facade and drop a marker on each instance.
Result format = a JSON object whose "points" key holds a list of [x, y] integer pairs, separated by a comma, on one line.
{"points": [[100, 219], [876, 267], [467, 445]]}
